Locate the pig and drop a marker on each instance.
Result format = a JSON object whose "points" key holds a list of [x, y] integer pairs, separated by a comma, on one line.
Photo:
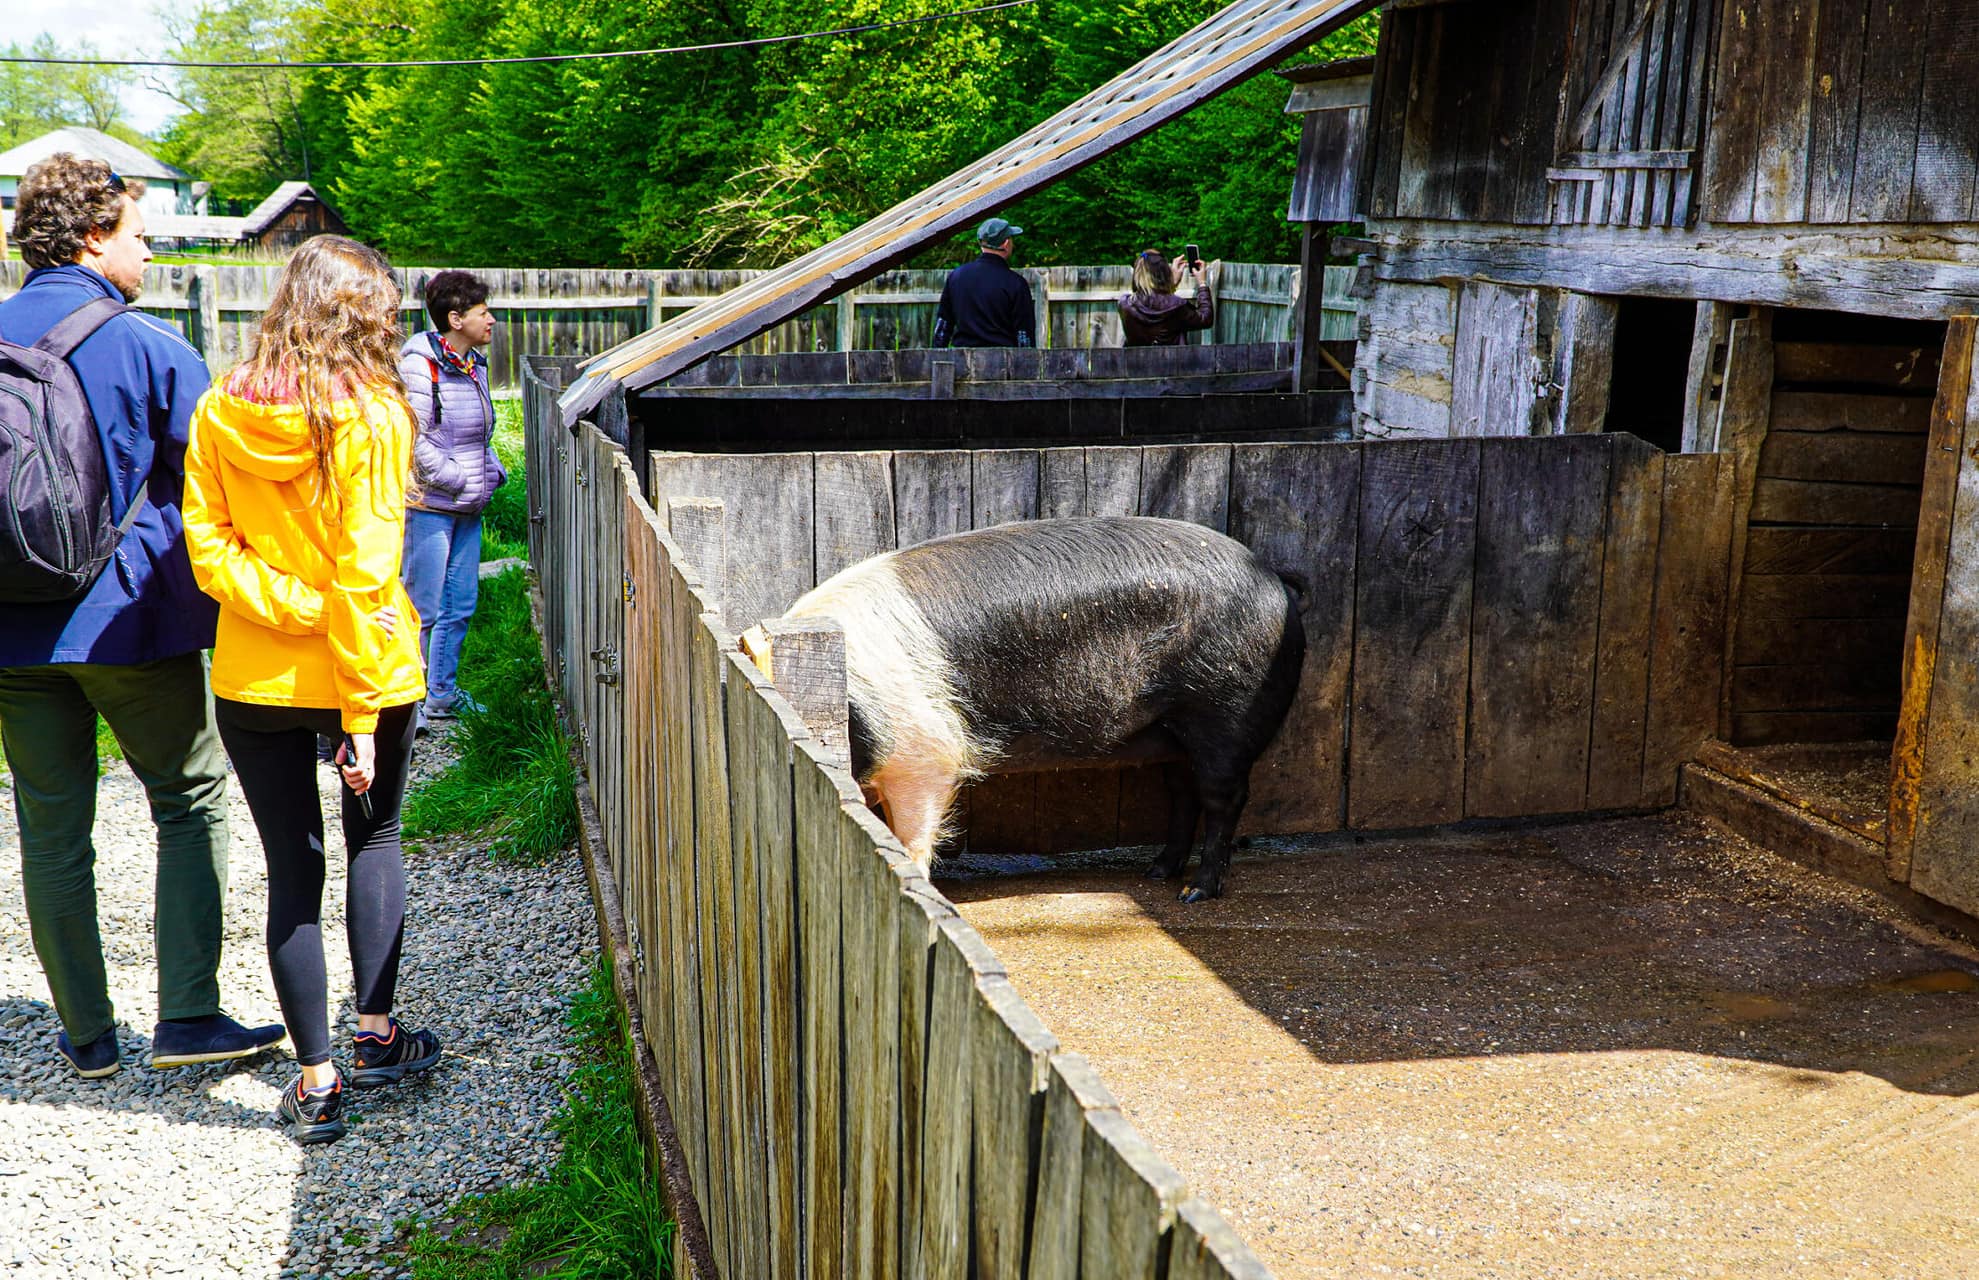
{"points": [[1043, 642]]}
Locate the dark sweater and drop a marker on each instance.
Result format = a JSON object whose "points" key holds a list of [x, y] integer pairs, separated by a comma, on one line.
{"points": [[1160, 319], [985, 304]]}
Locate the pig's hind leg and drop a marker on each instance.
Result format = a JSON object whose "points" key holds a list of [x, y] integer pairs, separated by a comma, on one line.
{"points": [[1184, 808]]}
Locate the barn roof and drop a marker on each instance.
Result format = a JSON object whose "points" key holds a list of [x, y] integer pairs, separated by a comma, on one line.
{"points": [[275, 205], [94, 144], [1237, 43]]}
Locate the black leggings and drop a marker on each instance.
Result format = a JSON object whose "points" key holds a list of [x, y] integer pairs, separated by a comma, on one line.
{"points": [[274, 755]]}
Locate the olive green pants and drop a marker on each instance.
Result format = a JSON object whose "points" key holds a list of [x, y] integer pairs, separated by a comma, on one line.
{"points": [[162, 715]]}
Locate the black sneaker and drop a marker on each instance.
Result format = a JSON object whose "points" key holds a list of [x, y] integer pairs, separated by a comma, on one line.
{"points": [[94, 1060], [313, 1115], [388, 1059], [214, 1038]]}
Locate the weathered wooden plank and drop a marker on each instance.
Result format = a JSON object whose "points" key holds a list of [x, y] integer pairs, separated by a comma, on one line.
{"points": [[1584, 361], [947, 1186], [1940, 586], [1817, 687], [1897, 368], [1628, 582], [1766, 727], [1003, 814], [869, 915], [819, 886], [1008, 1063], [1886, 145], [1852, 457], [1113, 481], [1798, 551], [1948, 117], [1839, 642], [1072, 1090], [1816, 502], [1837, 108], [1850, 411], [1128, 1205], [683, 877], [769, 499], [1687, 632], [1187, 482], [1744, 413], [1004, 486], [1145, 802], [931, 494], [807, 665], [1412, 633], [1536, 612], [1732, 138], [776, 727], [1078, 809], [1496, 357], [1394, 80], [1786, 109], [1206, 1248], [751, 755], [1826, 595], [920, 910], [723, 1209], [1061, 483], [854, 510], [1298, 508]]}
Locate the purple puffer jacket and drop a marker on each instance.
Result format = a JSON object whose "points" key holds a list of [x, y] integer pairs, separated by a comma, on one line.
{"points": [[453, 460]]}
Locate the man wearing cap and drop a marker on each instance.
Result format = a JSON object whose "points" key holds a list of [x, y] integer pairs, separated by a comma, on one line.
{"points": [[985, 303]]}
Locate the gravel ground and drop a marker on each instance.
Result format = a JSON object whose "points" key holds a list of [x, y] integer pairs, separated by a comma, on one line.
{"points": [[187, 1172]]}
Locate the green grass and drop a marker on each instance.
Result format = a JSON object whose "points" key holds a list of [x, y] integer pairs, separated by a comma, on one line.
{"points": [[505, 524], [513, 781], [598, 1213]]}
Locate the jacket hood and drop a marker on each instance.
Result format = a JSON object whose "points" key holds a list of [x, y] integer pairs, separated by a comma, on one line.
{"points": [[1155, 306], [266, 440]]}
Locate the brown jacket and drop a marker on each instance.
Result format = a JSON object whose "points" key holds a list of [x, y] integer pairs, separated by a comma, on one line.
{"points": [[1160, 319]]}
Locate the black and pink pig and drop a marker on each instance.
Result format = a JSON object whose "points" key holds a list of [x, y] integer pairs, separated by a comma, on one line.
{"points": [[1047, 641]]}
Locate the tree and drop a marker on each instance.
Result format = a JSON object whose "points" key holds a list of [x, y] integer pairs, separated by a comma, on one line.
{"points": [[241, 130]]}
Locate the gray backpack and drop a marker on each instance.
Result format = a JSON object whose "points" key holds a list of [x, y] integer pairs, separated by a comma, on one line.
{"points": [[56, 531]]}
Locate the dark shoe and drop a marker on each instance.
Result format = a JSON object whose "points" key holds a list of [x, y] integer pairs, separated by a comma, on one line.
{"points": [[313, 1115], [94, 1060], [184, 1042], [388, 1059]]}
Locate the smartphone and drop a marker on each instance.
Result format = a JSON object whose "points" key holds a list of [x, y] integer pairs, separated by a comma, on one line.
{"points": [[1194, 254]]}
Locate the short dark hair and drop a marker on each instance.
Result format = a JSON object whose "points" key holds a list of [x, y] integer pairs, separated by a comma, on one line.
{"points": [[60, 200], [452, 291]]}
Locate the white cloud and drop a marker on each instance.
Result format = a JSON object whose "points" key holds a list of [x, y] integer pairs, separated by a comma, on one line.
{"points": [[118, 30]]}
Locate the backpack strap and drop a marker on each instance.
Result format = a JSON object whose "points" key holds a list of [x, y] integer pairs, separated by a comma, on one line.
{"points": [[434, 367], [75, 328]]}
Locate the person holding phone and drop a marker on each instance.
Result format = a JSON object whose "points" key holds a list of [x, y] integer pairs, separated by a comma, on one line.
{"points": [[295, 519], [1154, 313]]}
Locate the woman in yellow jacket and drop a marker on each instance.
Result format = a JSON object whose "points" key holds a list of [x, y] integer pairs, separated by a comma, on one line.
{"points": [[295, 515]]}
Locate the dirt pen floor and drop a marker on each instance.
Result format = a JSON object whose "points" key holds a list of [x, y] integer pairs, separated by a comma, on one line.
{"points": [[1622, 1049]]}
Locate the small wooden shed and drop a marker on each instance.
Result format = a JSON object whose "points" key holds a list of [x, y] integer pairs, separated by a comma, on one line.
{"points": [[1735, 226]]}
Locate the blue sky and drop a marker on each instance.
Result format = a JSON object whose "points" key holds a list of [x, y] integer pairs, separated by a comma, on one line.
{"points": [[118, 28]]}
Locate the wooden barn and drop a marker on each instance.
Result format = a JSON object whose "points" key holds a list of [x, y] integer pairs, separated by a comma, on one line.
{"points": [[1734, 226]]}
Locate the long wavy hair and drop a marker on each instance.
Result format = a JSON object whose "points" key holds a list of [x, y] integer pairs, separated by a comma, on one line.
{"points": [[331, 332], [1153, 274]]}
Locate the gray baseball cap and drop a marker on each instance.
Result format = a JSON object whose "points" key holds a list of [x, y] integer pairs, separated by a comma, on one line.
{"points": [[996, 231]]}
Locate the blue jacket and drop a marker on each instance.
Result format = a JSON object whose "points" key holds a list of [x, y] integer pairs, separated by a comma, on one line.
{"points": [[141, 378]]}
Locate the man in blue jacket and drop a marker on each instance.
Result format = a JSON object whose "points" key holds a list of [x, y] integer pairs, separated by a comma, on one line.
{"points": [[984, 303], [131, 648]]}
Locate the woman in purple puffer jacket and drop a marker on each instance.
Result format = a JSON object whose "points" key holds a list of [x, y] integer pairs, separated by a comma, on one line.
{"points": [[455, 472]]}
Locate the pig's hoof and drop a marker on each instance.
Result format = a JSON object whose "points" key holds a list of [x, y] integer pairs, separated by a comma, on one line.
{"points": [[1195, 893]]}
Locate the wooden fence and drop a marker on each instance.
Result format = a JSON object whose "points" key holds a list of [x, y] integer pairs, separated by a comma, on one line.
{"points": [[857, 1088], [571, 312], [1520, 627]]}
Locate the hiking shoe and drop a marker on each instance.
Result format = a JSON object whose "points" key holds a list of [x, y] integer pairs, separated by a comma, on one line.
{"points": [[184, 1042], [461, 701], [313, 1115], [388, 1059], [94, 1060]]}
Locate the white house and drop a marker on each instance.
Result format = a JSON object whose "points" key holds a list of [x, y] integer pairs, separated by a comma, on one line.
{"points": [[169, 190]]}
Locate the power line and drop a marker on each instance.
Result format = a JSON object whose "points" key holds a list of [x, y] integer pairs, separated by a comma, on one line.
{"points": [[545, 57]]}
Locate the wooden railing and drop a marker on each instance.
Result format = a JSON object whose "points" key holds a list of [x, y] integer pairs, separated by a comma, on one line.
{"points": [[857, 1089], [571, 312]]}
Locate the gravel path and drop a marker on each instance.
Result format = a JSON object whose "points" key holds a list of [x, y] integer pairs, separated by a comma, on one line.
{"points": [[186, 1172]]}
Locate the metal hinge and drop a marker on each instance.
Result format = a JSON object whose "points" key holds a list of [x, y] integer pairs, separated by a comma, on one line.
{"points": [[609, 657], [631, 591], [582, 482], [537, 517]]}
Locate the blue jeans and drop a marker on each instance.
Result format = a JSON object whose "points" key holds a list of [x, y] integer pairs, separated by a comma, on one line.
{"points": [[442, 572]]}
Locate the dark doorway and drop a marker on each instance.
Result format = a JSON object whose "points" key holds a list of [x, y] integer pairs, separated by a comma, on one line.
{"points": [[1652, 366]]}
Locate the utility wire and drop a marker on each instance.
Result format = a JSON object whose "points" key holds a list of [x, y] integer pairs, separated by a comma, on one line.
{"points": [[546, 57]]}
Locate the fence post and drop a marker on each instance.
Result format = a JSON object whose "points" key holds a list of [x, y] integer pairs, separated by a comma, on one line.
{"points": [[805, 659], [204, 297], [656, 294], [848, 329], [700, 527], [1041, 305]]}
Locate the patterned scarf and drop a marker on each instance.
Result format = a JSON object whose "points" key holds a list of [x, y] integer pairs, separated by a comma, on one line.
{"points": [[468, 365]]}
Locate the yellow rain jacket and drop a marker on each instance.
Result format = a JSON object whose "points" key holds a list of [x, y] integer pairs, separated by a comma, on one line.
{"points": [[301, 579]]}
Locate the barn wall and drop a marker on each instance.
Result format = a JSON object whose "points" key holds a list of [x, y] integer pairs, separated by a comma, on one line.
{"points": [[1404, 362]]}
